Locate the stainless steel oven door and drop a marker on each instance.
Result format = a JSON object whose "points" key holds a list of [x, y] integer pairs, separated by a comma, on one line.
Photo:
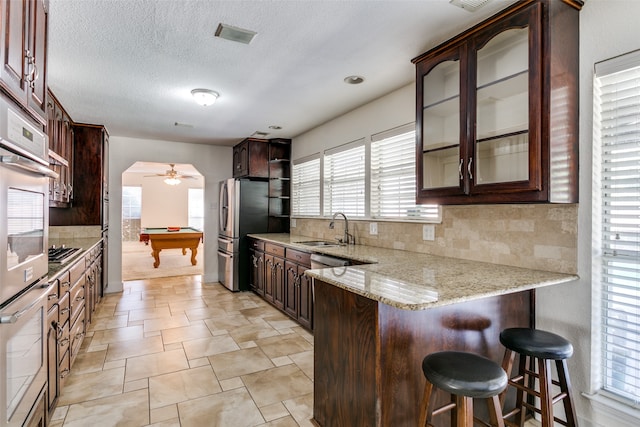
{"points": [[22, 354], [24, 223]]}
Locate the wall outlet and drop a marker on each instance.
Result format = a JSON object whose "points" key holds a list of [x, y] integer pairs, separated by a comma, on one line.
{"points": [[293, 223], [429, 232], [373, 228]]}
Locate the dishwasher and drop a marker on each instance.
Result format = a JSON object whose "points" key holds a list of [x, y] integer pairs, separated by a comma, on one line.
{"points": [[326, 261]]}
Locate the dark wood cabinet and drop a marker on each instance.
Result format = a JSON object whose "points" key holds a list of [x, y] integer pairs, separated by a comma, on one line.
{"points": [[256, 266], [497, 109], [277, 275], [250, 159], [89, 205], [60, 132], [23, 49]]}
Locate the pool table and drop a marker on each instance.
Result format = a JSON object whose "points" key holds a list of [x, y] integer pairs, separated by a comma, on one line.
{"points": [[172, 238]]}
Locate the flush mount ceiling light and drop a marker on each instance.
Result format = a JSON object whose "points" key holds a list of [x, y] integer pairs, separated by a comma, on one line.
{"points": [[235, 34], [204, 97], [275, 127], [469, 5], [353, 80]]}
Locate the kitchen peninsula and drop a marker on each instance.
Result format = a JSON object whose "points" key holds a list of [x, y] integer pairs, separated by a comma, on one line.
{"points": [[375, 322]]}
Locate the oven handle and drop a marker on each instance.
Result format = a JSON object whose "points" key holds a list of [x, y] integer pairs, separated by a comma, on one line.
{"points": [[13, 318], [29, 165]]}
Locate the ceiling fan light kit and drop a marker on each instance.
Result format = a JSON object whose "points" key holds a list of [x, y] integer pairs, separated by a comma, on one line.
{"points": [[172, 181], [172, 176]]}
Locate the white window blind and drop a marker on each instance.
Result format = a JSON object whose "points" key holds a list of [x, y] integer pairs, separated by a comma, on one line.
{"points": [[393, 176], [305, 187], [344, 180], [617, 168]]}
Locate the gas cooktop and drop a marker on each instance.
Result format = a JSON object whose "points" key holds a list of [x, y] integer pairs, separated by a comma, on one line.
{"points": [[61, 254]]}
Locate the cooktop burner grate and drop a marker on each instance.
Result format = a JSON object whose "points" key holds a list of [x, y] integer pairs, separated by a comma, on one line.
{"points": [[61, 254]]}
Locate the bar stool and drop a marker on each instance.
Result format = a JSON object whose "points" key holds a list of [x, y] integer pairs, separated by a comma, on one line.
{"points": [[544, 346], [465, 376]]}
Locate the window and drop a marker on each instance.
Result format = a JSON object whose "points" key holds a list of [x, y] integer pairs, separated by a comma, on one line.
{"points": [[393, 176], [196, 208], [131, 212], [617, 222], [306, 187], [344, 180]]}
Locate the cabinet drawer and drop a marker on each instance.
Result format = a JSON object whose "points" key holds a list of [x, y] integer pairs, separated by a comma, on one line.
{"points": [[65, 369], [65, 309], [76, 299], [77, 271], [52, 295], [63, 340], [256, 244], [64, 283], [274, 249], [299, 257], [76, 334]]}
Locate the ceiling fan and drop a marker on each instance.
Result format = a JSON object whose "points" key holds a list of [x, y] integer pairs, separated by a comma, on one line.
{"points": [[172, 176]]}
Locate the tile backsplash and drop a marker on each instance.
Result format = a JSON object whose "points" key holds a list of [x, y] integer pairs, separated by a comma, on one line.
{"points": [[74, 231], [540, 236]]}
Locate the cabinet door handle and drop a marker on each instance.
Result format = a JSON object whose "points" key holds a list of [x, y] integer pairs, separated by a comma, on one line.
{"points": [[469, 168], [52, 296], [460, 169], [64, 373], [64, 310]]}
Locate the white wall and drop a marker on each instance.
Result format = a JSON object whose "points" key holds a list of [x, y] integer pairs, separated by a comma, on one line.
{"points": [[607, 28], [212, 162], [163, 205]]}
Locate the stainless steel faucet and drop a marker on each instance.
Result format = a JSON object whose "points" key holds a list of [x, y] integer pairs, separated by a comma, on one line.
{"points": [[347, 238]]}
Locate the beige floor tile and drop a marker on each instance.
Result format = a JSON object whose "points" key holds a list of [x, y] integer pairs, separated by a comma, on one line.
{"points": [[304, 361], [174, 422], [182, 386], [231, 383], [284, 345], [252, 332], [226, 322], [277, 384], [281, 422], [177, 321], [301, 409], [209, 346], [149, 313], [109, 336], [111, 322], [89, 362], [196, 330], [81, 387], [123, 410], [155, 364], [275, 411], [134, 348], [229, 408], [239, 362], [136, 385], [166, 413], [204, 313]]}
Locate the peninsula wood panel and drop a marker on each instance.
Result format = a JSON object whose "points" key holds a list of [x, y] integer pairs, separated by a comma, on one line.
{"points": [[368, 359]]}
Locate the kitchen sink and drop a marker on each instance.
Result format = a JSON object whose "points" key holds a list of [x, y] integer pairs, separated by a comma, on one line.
{"points": [[318, 243]]}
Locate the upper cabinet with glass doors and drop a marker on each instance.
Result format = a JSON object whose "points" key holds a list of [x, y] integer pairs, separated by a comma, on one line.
{"points": [[497, 109]]}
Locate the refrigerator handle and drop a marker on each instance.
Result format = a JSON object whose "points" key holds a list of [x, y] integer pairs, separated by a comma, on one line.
{"points": [[224, 209]]}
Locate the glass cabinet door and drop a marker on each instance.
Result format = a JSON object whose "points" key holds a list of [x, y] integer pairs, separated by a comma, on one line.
{"points": [[441, 124], [502, 109]]}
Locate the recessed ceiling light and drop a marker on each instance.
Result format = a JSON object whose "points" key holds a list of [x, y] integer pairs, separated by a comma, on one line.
{"points": [[275, 127], [205, 97], [235, 34], [353, 80]]}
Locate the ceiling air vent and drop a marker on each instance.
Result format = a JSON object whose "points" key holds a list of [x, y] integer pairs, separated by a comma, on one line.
{"points": [[235, 34], [469, 5]]}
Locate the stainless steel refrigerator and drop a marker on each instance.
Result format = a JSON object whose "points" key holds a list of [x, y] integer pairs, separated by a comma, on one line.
{"points": [[243, 209]]}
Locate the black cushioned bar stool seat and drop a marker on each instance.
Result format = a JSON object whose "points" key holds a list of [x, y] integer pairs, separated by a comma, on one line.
{"points": [[541, 346], [465, 376]]}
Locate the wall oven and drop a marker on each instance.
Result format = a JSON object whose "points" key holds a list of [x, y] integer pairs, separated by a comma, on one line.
{"points": [[24, 202], [24, 232]]}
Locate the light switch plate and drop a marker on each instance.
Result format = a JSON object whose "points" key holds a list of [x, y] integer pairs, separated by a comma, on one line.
{"points": [[429, 232], [293, 223], [373, 228]]}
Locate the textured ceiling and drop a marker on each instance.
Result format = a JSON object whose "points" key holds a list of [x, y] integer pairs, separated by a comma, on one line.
{"points": [[131, 64]]}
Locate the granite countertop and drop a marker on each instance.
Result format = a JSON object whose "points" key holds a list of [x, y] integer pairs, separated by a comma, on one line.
{"points": [[85, 243], [417, 281]]}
